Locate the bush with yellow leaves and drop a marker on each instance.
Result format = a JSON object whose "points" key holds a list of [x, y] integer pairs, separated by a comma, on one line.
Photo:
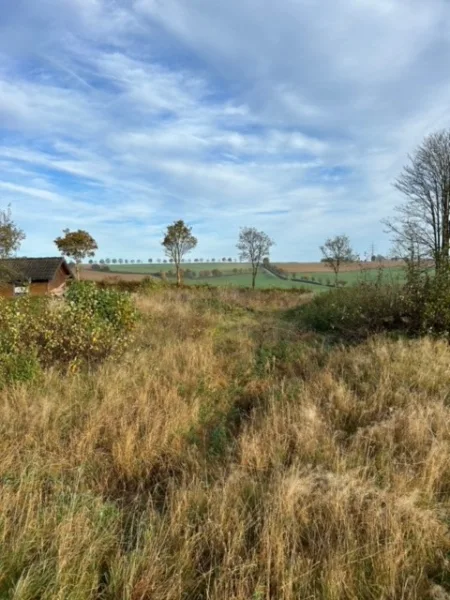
{"points": [[86, 327]]}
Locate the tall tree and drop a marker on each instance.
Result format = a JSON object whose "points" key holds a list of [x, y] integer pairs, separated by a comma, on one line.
{"points": [[336, 251], [421, 227], [11, 236], [77, 245], [253, 246], [177, 242]]}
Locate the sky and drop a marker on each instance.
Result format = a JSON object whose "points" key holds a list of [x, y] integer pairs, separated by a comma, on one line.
{"points": [[292, 116]]}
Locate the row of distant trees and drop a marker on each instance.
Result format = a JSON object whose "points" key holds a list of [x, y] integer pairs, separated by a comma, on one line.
{"points": [[126, 261]]}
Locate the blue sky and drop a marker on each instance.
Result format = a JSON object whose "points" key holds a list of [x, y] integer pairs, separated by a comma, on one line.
{"points": [[294, 116]]}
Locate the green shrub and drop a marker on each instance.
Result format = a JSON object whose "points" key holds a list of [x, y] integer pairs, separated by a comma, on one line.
{"points": [[20, 367], [86, 327], [421, 305], [357, 311]]}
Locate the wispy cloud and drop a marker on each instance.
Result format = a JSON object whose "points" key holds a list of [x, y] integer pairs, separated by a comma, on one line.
{"points": [[122, 116]]}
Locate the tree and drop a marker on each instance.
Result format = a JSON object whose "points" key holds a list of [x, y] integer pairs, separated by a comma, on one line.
{"points": [[336, 251], [11, 236], [230, 260], [253, 246], [114, 261], [126, 261], [120, 261], [150, 260], [108, 261], [77, 245], [91, 262], [421, 228], [177, 242], [102, 261]]}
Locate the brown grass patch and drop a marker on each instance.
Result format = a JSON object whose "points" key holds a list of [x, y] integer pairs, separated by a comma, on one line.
{"points": [[230, 457]]}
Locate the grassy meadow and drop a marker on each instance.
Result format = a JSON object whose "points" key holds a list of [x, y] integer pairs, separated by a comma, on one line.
{"points": [[230, 453], [350, 274]]}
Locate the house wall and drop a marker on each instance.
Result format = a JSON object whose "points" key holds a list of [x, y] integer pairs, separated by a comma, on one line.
{"points": [[59, 279], [6, 290], [38, 289]]}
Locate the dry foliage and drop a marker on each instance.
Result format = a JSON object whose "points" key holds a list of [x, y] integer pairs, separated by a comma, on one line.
{"points": [[229, 456]]}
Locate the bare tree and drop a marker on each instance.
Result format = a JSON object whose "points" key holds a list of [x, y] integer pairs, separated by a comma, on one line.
{"points": [[336, 251], [421, 228], [253, 246], [177, 242]]}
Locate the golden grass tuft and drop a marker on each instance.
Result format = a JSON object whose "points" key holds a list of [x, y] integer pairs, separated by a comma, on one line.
{"points": [[230, 456]]}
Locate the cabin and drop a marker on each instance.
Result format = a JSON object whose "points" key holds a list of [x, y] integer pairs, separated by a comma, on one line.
{"points": [[33, 276]]}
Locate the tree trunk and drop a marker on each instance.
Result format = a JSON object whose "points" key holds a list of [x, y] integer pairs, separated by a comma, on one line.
{"points": [[254, 278], [178, 275], [77, 271], [445, 228]]}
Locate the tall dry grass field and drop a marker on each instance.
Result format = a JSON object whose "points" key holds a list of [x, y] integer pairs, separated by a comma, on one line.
{"points": [[230, 456]]}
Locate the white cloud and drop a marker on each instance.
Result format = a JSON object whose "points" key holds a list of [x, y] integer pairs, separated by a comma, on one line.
{"points": [[122, 116]]}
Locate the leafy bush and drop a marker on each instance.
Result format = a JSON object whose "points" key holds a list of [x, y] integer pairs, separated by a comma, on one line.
{"points": [[357, 311], [85, 328], [421, 305], [108, 307]]}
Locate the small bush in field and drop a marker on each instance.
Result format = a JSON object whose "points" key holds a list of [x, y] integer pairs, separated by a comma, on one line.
{"points": [[422, 305], [355, 312], [88, 326]]}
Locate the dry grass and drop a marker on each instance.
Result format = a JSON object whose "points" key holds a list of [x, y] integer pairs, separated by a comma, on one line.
{"points": [[87, 274], [229, 456]]}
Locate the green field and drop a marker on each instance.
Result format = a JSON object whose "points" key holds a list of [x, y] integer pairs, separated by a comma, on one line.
{"points": [[391, 274], [264, 279], [158, 267]]}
